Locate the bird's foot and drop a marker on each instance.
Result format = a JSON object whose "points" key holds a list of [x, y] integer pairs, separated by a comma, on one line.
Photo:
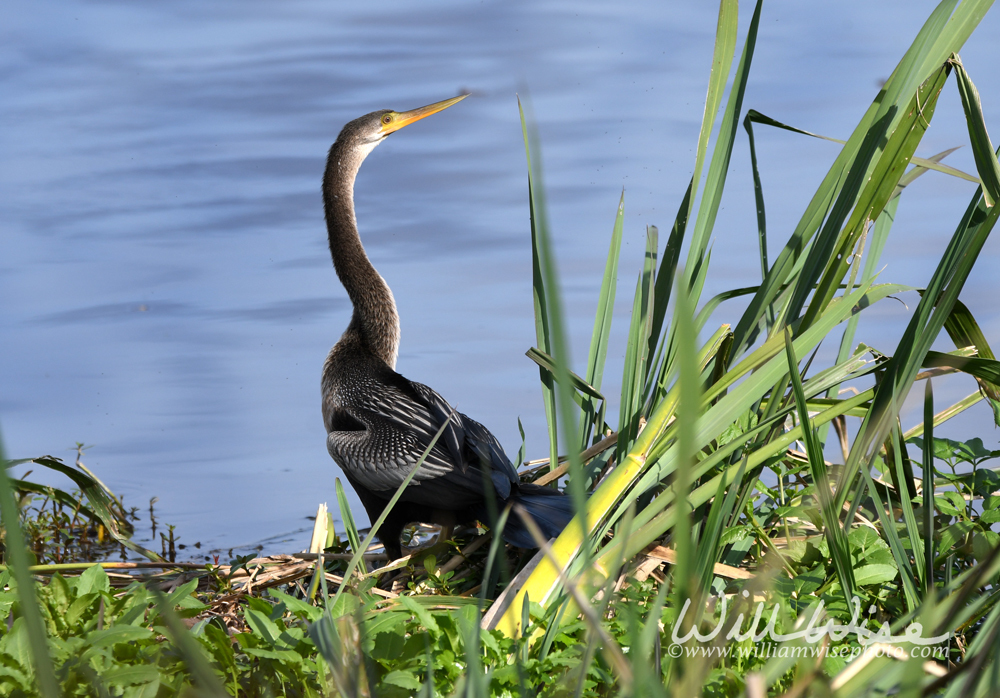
{"points": [[400, 582]]}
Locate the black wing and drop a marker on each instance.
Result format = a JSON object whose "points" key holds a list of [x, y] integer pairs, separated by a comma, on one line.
{"points": [[395, 422]]}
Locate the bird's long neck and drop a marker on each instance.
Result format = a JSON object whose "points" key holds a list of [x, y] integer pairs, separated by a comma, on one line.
{"points": [[375, 320]]}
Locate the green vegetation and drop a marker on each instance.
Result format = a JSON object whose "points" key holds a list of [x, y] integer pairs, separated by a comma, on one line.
{"points": [[712, 507]]}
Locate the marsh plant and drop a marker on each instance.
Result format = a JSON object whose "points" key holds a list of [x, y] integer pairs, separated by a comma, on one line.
{"points": [[719, 548]]}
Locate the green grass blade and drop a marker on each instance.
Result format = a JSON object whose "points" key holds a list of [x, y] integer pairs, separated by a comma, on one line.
{"points": [[715, 301], [933, 44], [722, 61], [349, 526], [636, 356], [982, 149], [689, 399], [758, 192], [602, 324], [665, 280], [985, 370], [932, 311], [904, 485], [899, 554], [547, 363], [543, 331], [565, 417], [715, 180], [840, 549], [922, 164], [964, 331], [491, 558], [872, 197], [21, 487], [945, 414], [708, 549], [16, 555], [928, 488]]}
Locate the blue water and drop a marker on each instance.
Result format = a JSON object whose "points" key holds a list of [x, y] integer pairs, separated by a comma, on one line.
{"points": [[166, 294]]}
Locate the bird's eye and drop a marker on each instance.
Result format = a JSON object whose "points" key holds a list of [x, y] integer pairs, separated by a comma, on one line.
{"points": [[387, 119]]}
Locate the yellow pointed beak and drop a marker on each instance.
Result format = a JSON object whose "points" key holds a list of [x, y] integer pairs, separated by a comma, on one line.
{"points": [[393, 121]]}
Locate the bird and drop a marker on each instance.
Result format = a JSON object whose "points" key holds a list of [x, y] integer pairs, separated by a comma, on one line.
{"points": [[379, 423]]}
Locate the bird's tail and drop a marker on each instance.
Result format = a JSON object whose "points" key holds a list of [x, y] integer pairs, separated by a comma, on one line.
{"points": [[550, 509]]}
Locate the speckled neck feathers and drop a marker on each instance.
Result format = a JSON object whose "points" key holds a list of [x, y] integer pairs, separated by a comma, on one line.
{"points": [[375, 323]]}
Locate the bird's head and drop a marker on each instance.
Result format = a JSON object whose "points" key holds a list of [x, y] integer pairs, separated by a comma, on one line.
{"points": [[365, 132]]}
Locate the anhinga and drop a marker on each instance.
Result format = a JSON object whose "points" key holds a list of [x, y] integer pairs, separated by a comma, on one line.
{"points": [[378, 422]]}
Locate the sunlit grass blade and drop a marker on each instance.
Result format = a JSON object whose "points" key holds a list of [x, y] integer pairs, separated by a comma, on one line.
{"points": [[540, 298], [547, 363], [722, 60], [922, 165], [879, 234], [984, 370], [715, 180], [940, 35], [833, 246], [689, 400], [602, 325], [697, 264], [543, 581], [565, 416], [715, 301], [611, 649], [945, 414]]}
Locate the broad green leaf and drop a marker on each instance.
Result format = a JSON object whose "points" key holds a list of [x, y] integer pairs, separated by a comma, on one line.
{"points": [[403, 679], [874, 574], [422, 614], [116, 634], [130, 675]]}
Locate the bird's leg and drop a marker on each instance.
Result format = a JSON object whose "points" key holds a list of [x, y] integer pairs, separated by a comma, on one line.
{"points": [[446, 519]]}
